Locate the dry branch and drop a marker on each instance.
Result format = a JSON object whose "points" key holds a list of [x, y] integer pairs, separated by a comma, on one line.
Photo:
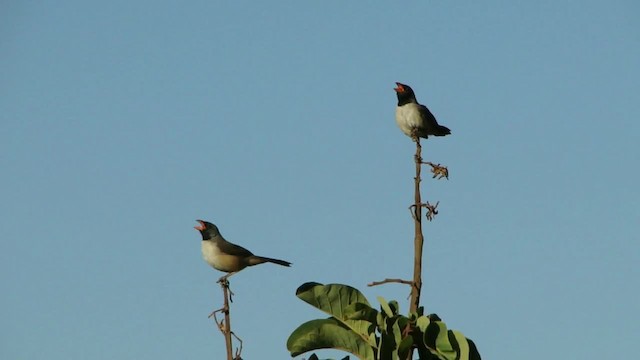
{"points": [[385, 281]]}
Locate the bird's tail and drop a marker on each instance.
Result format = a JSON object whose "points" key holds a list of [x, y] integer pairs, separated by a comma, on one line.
{"points": [[441, 131], [255, 260]]}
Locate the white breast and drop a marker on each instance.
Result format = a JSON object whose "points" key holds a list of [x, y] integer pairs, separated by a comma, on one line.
{"points": [[211, 254], [408, 117], [219, 260]]}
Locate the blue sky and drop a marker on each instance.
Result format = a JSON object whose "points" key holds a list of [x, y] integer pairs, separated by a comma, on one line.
{"points": [[122, 122]]}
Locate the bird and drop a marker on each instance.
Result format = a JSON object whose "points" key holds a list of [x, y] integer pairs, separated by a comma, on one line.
{"points": [[225, 256], [415, 119]]}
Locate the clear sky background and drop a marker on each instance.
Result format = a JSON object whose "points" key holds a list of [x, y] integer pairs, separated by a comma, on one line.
{"points": [[122, 122]]}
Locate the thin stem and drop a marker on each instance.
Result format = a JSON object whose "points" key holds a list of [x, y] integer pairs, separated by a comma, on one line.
{"points": [[418, 238], [225, 327]]}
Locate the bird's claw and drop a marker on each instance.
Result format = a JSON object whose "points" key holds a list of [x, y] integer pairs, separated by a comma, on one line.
{"points": [[224, 282], [414, 134]]}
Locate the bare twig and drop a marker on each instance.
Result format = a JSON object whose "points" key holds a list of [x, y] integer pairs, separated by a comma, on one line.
{"points": [[385, 281], [412, 210], [438, 171], [225, 325], [215, 318], [239, 349], [431, 210]]}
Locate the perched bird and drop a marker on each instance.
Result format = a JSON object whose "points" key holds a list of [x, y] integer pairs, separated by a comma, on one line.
{"points": [[414, 119], [225, 256]]}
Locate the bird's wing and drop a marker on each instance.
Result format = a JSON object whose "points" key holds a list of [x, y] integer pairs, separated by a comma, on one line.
{"points": [[427, 116], [233, 249]]}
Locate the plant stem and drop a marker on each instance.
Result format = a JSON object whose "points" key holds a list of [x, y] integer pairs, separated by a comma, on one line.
{"points": [[418, 239], [227, 321]]}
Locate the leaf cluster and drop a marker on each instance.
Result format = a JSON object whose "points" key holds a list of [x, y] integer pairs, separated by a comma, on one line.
{"points": [[370, 334]]}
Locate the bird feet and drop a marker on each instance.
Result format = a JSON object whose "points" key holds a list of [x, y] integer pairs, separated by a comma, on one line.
{"points": [[224, 283], [414, 134]]}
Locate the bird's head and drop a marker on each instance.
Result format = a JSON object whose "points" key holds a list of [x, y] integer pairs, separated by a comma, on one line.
{"points": [[405, 93], [207, 230]]}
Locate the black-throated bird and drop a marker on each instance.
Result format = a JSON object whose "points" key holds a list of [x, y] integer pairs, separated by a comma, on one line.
{"points": [[225, 256], [413, 118]]}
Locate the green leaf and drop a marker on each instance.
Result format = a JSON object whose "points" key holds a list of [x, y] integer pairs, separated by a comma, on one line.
{"points": [[323, 296], [403, 322], [395, 308], [315, 357], [384, 305], [328, 334], [422, 323], [444, 346], [380, 321], [473, 350], [397, 332], [405, 347], [388, 345], [443, 343], [360, 311], [458, 343], [463, 346], [338, 300]]}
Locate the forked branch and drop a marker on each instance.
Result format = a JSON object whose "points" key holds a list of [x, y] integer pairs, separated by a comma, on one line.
{"points": [[225, 325]]}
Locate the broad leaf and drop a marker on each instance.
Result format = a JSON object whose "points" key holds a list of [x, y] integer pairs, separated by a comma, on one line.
{"points": [[405, 347], [360, 311], [330, 298], [443, 343], [315, 357], [385, 306], [388, 345], [338, 300], [328, 334]]}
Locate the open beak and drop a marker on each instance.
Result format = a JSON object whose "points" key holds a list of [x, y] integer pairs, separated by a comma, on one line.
{"points": [[201, 227], [399, 89]]}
